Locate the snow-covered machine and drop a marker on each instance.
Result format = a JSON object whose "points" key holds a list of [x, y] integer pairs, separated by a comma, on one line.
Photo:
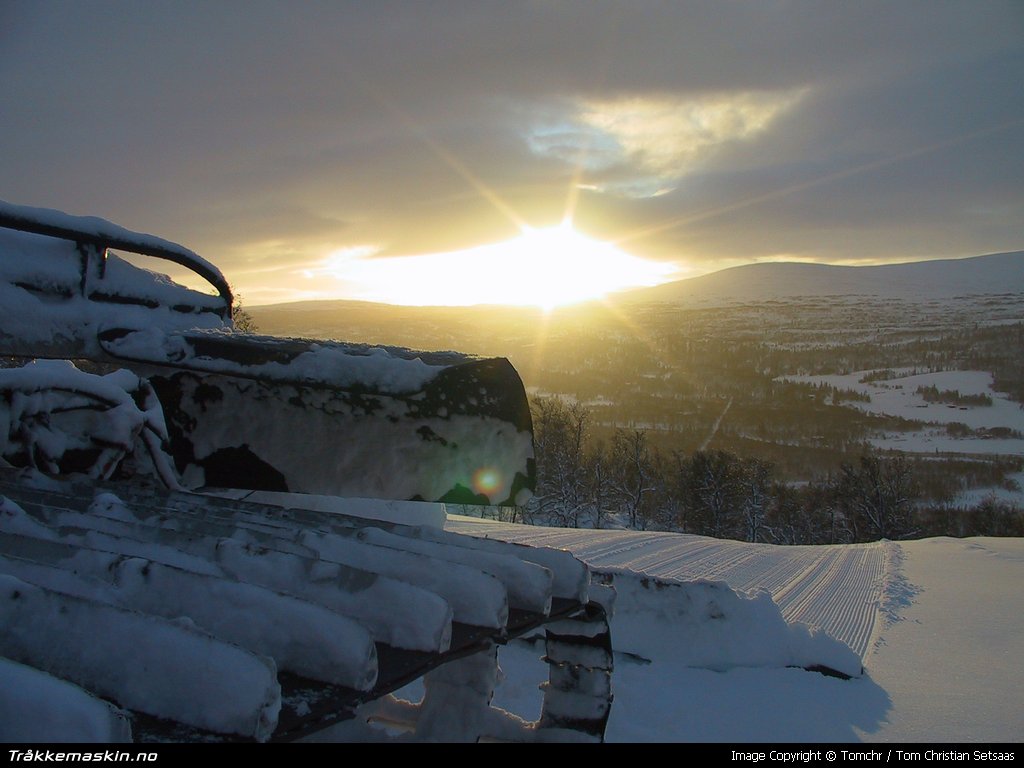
{"points": [[206, 534]]}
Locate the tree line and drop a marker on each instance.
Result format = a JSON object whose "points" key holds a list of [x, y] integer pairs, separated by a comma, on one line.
{"points": [[624, 481]]}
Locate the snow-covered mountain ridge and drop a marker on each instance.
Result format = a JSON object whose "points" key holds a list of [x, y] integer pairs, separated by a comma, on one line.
{"points": [[998, 273]]}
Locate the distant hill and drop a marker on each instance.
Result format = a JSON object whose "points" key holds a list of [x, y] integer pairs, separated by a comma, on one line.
{"points": [[476, 328], [995, 273]]}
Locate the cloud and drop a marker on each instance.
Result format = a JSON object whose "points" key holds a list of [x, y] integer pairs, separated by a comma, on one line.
{"points": [[268, 136], [660, 138]]}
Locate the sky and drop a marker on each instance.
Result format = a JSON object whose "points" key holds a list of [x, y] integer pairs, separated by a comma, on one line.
{"points": [[449, 152]]}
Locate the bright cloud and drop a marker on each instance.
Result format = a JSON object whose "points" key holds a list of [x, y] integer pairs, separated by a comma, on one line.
{"points": [[660, 138]]}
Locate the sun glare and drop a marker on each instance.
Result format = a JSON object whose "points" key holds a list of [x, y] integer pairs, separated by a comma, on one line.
{"points": [[542, 267]]}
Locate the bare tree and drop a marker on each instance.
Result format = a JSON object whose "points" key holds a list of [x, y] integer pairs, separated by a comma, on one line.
{"points": [[755, 488], [599, 474], [793, 516], [712, 485], [241, 319], [560, 436], [633, 474], [878, 496]]}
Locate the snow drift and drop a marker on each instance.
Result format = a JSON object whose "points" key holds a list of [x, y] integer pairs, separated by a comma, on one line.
{"points": [[708, 624]]}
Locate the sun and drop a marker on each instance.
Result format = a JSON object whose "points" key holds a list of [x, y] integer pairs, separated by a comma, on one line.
{"points": [[546, 267], [558, 265]]}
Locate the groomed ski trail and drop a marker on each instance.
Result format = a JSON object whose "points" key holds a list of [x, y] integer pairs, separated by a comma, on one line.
{"points": [[838, 588]]}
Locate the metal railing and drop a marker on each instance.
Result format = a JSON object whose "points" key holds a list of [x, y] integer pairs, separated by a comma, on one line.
{"points": [[93, 244]]}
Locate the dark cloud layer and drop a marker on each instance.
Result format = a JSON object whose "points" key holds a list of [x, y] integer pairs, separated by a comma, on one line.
{"points": [[266, 135]]}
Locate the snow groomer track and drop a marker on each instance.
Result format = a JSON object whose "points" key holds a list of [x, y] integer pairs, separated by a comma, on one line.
{"points": [[295, 617]]}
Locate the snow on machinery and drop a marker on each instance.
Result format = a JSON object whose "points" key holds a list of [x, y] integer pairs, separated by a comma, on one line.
{"points": [[272, 614], [374, 422]]}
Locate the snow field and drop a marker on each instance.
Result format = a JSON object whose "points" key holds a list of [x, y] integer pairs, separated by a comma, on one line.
{"points": [[950, 661], [898, 397], [938, 623]]}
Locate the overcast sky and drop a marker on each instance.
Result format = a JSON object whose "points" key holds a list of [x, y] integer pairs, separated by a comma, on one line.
{"points": [[269, 136]]}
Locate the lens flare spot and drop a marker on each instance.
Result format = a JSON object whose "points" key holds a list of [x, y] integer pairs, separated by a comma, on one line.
{"points": [[486, 480]]}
